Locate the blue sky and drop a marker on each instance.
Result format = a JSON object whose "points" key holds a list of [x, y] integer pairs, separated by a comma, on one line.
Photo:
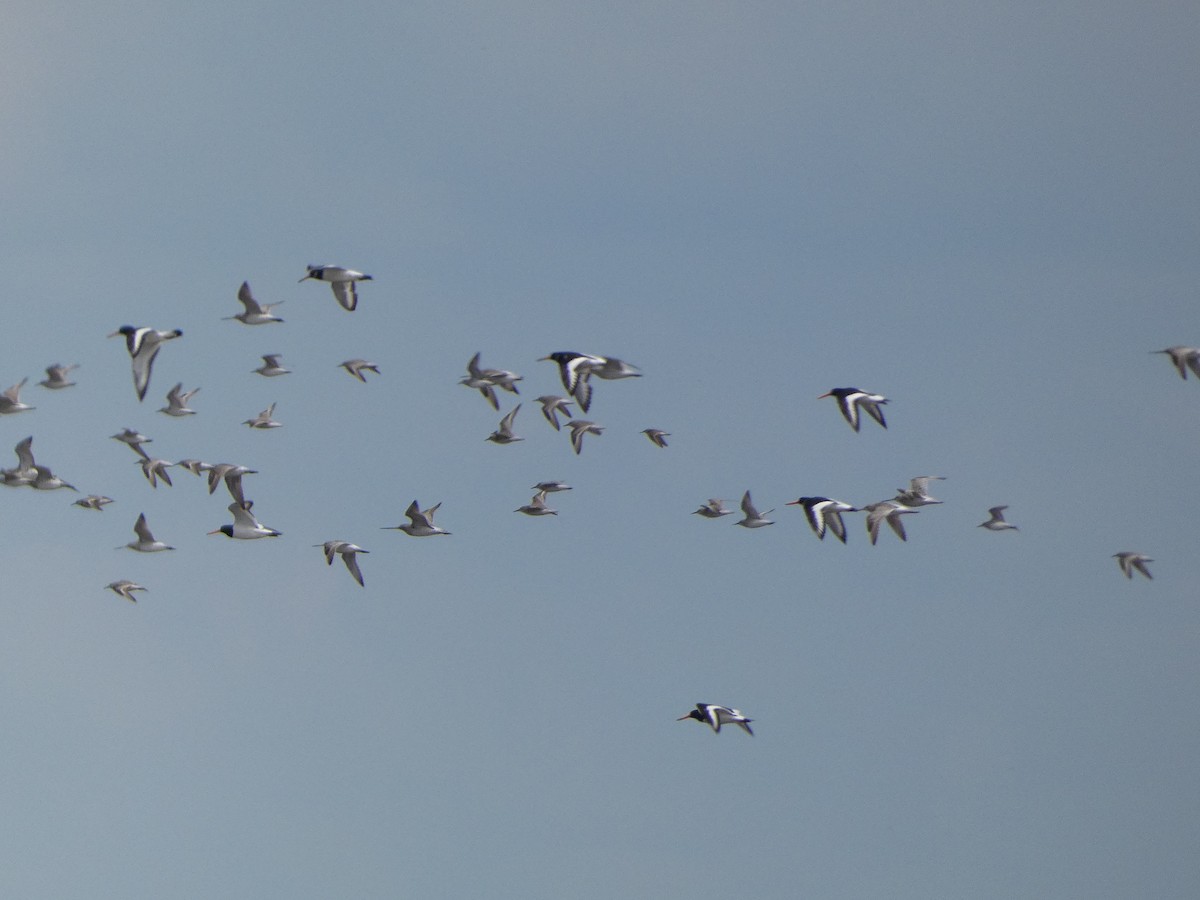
{"points": [[989, 216]]}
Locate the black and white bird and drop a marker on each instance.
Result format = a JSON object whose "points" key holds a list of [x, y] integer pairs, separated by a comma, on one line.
{"points": [[143, 345], [715, 716], [349, 554], [850, 400], [343, 281], [822, 513]]}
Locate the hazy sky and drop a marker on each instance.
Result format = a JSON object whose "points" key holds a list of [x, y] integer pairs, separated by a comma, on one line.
{"points": [[989, 216]]}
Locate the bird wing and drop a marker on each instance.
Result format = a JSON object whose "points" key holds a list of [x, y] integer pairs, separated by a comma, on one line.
{"points": [[142, 530], [345, 293], [247, 300], [350, 558]]}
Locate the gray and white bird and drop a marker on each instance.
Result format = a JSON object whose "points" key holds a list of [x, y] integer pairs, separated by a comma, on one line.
{"points": [[504, 433], [552, 405], [93, 501], [177, 401], [851, 400], [537, 506], [125, 588], [580, 427], [231, 474], [420, 522], [143, 345], [155, 470], [657, 436], [10, 400], [349, 554], [476, 380], [45, 480], [271, 366], [134, 439], [997, 522], [58, 377], [356, 367], [823, 513], [245, 526], [1128, 561], [917, 493], [715, 716], [713, 509], [1183, 358], [886, 511], [145, 542], [343, 281], [751, 517], [26, 469], [550, 487], [264, 419], [255, 313]]}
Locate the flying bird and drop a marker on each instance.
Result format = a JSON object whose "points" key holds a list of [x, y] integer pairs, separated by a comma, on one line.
{"points": [[1184, 358], [478, 381], [343, 281], [850, 400], [143, 345], [58, 376], [349, 553], [713, 509], [356, 367], [752, 518], [124, 588], [917, 493], [145, 542], [420, 522], [537, 506], [822, 513], [549, 487], [552, 405], [232, 476], [45, 480], [155, 469], [580, 427], [26, 469], [271, 366], [1128, 561], [93, 501], [177, 401], [715, 716], [135, 440], [255, 313], [504, 433], [889, 511], [10, 400], [245, 527], [263, 419], [657, 436], [996, 522]]}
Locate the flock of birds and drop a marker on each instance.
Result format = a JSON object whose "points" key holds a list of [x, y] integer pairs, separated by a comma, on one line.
{"points": [[577, 371]]}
